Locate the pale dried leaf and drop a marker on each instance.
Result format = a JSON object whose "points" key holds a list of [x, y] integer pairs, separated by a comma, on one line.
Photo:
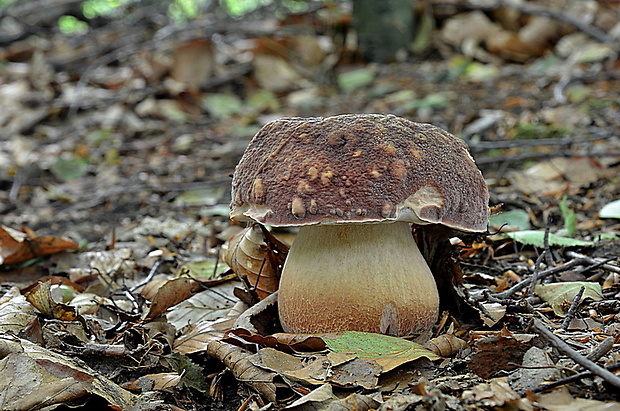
{"points": [[34, 376], [15, 312]]}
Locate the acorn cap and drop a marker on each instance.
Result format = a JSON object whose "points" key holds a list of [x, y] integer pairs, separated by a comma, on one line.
{"points": [[358, 168]]}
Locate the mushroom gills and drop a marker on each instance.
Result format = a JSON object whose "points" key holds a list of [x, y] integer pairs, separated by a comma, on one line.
{"points": [[358, 277]]}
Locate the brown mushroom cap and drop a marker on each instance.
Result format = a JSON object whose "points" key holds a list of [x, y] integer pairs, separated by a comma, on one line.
{"points": [[358, 168]]}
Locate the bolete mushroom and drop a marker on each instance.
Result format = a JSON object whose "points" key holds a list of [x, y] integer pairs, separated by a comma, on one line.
{"points": [[354, 184]]}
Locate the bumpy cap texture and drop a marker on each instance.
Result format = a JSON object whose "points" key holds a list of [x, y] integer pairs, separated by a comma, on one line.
{"points": [[358, 168]]}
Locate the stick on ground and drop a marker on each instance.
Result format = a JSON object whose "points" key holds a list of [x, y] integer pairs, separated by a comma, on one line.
{"points": [[548, 335]]}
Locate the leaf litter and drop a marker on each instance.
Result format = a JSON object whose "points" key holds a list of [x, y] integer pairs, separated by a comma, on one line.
{"points": [[122, 295]]}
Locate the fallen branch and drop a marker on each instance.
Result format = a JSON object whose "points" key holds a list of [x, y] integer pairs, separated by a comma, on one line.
{"points": [[539, 155], [536, 10], [550, 271], [575, 356], [559, 15], [594, 261], [572, 378]]}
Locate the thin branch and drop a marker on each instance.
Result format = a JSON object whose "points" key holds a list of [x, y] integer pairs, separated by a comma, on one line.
{"points": [[594, 261], [535, 10], [573, 309], [575, 356], [559, 15], [550, 271], [572, 378], [539, 155], [537, 142]]}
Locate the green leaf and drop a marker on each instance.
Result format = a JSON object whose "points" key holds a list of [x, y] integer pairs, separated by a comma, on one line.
{"points": [[386, 350], [223, 105], [204, 270], [352, 80], [264, 100], [536, 238], [433, 100], [513, 218], [610, 210], [570, 220], [561, 295], [204, 196], [67, 169]]}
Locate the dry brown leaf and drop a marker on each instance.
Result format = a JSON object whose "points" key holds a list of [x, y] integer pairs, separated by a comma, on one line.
{"points": [[197, 338], [193, 63], [15, 247], [558, 175], [41, 298], [359, 372], [34, 377], [238, 361], [316, 369], [161, 381], [446, 345], [497, 393], [15, 312], [258, 256], [281, 341], [496, 353], [172, 293]]}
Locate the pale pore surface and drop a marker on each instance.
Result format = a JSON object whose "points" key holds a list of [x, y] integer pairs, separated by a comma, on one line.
{"points": [[363, 277]]}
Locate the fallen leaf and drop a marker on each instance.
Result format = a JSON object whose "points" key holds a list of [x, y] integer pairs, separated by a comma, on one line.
{"points": [[258, 258], [238, 361], [560, 399], [203, 304], [511, 220], [17, 248], [537, 238], [284, 342], [352, 80], [41, 298], [171, 293], [446, 345], [389, 352], [15, 312], [34, 377], [496, 353], [197, 337], [561, 295], [193, 62], [610, 210], [497, 393], [537, 369], [557, 175]]}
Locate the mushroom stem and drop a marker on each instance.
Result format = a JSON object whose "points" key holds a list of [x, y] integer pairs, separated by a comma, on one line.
{"points": [[359, 277]]}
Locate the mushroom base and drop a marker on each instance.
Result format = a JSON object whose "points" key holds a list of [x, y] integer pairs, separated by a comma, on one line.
{"points": [[357, 277]]}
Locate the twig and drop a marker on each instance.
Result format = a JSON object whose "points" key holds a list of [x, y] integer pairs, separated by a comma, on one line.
{"points": [[575, 356], [538, 155], [540, 259], [596, 263], [550, 271], [527, 8], [572, 378], [573, 309], [602, 349], [148, 277], [558, 15], [538, 142]]}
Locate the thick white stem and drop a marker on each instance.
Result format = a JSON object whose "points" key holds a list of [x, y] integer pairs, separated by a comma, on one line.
{"points": [[361, 277]]}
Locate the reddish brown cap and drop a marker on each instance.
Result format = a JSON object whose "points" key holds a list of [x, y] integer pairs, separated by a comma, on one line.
{"points": [[358, 168]]}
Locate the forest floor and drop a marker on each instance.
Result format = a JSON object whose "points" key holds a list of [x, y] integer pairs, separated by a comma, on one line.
{"points": [[114, 195]]}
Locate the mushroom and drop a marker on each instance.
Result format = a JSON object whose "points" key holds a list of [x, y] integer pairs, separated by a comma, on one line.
{"points": [[355, 184]]}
